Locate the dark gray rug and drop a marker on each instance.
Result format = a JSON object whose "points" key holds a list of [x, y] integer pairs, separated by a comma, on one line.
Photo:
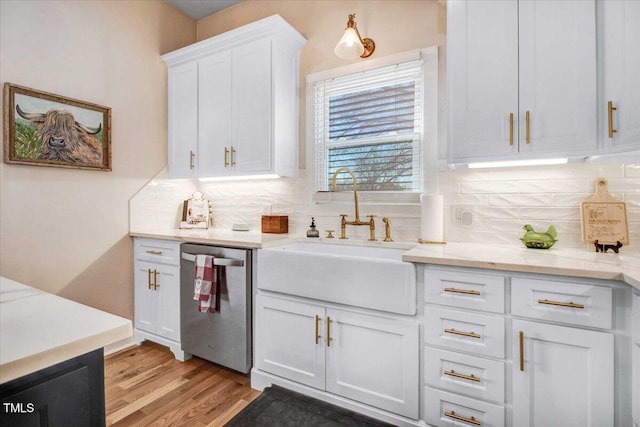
{"points": [[279, 407]]}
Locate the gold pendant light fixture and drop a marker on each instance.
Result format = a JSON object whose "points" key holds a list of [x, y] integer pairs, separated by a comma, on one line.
{"points": [[352, 45]]}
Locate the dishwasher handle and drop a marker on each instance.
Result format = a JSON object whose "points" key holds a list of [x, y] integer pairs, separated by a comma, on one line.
{"points": [[226, 262]]}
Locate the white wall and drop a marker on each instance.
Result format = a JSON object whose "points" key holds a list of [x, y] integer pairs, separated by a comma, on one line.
{"points": [[66, 230]]}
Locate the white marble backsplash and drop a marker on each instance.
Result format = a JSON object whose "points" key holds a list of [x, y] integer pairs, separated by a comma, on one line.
{"points": [[500, 202]]}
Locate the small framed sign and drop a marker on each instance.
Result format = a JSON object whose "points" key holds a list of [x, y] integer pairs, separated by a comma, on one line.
{"points": [[196, 212]]}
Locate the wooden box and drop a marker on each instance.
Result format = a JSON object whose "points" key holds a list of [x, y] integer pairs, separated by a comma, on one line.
{"points": [[275, 224]]}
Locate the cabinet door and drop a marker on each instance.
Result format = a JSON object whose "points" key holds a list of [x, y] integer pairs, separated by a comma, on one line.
{"points": [[289, 340], [252, 108], [557, 68], [374, 360], [167, 285], [482, 67], [621, 68], [145, 297], [214, 81], [183, 120], [636, 383], [566, 378]]}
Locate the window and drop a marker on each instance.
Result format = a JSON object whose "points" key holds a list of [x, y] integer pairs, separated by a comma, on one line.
{"points": [[372, 123]]}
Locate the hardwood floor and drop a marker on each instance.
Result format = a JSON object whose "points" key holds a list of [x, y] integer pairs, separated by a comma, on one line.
{"points": [[146, 386]]}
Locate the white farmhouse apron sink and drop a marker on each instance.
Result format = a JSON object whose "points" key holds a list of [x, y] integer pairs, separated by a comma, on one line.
{"points": [[364, 276]]}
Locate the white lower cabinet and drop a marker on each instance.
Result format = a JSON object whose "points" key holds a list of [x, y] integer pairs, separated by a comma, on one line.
{"points": [[157, 293], [364, 357], [562, 376]]}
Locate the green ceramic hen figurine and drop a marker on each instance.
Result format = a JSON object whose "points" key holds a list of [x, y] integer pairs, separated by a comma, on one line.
{"points": [[536, 240]]}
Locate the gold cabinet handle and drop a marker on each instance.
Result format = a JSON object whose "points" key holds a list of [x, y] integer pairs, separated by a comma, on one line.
{"points": [[464, 334], [317, 329], [510, 129], [527, 121], [461, 291], [149, 278], [455, 416], [155, 280], [226, 154], [233, 157], [521, 339], [154, 252], [191, 157], [561, 304], [453, 373], [329, 331], [611, 109]]}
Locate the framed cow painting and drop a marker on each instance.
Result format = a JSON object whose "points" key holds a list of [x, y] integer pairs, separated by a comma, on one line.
{"points": [[44, 129]]}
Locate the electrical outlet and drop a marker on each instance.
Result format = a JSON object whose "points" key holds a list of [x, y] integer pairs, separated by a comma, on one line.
{"points": [[461, 215]]}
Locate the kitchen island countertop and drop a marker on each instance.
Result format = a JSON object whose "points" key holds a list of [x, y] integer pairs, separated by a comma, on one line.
{"points": [[567, 262], [215, 236], [39, 329]]}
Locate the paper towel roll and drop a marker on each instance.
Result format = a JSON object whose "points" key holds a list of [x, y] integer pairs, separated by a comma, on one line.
{"points": [[432, 218]]}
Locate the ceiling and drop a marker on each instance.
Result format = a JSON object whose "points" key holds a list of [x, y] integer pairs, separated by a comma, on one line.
{"points": [[198, 9]]}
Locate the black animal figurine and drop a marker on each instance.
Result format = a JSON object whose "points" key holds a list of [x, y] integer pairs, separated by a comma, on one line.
{"points": [[605, 248]]}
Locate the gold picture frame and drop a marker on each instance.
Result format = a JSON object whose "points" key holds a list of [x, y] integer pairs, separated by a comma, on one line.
{"points": [[44, 129]]}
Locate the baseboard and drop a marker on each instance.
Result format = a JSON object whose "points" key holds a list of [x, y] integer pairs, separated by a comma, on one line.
{"points": [[119, 346]]}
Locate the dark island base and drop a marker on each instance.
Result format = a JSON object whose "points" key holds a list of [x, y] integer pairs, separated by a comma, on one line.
{"points": [[70, 393]]}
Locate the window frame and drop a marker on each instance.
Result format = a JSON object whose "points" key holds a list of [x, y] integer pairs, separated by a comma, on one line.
{"points": [[429, 139]]}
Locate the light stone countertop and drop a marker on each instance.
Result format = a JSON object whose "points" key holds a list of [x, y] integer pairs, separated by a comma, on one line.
{"points": [[39, 329], [567, 262], [624, 266], [216, 236]]}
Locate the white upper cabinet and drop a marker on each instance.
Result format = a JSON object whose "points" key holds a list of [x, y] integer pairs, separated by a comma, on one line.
{"points": [[233, 103], [521, 79], [619, 27]]}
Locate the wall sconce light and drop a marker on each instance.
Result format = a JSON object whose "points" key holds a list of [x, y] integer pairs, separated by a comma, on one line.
{"points": [[351, 45]]}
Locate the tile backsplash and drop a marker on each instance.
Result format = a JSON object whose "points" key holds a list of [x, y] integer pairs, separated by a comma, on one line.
{"points": [[498, 202]]}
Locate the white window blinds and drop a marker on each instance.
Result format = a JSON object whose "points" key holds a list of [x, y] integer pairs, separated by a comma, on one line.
{"points": [[371, 123]]}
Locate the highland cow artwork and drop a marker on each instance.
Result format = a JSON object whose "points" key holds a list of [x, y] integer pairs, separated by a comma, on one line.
{"points": [[50, 130]]}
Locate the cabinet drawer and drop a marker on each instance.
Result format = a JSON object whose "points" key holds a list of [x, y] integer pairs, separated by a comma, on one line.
{"points": [[465, 290], [447, 409], [475, 333], [636, 318], [160, 251], [577, 304], [459, 373]]}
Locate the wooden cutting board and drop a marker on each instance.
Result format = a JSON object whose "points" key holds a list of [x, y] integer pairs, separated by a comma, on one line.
{"points": [[604, 218]]}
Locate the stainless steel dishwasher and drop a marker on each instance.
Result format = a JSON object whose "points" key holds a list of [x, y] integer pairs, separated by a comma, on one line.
{"points": [[223, 337]]}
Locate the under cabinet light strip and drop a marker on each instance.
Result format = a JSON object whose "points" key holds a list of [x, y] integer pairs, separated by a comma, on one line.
{"points": [[533, 162]]}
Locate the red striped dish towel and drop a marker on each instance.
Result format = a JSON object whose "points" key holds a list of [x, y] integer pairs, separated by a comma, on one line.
{"points": [[205, 288]]}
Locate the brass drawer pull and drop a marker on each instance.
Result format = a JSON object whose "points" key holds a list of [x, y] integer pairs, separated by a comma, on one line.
{"points": [[154, 252], [149, 278], [226, 154], [527, 120], [561, 304], [453, 373], [510, 129], [233, 157], [462, 291], [455, 416], [329, 331], [317, 329], [155, 280], [464, 334], [191, 157], [611, 109]]}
